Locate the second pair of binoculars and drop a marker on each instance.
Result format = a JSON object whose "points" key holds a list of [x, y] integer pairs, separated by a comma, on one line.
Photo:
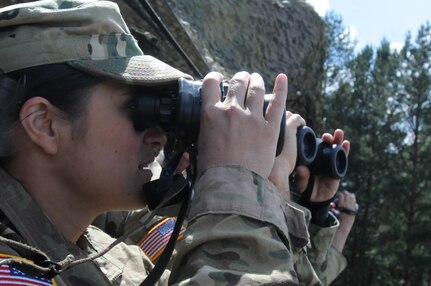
{"points": [[322, 158]]}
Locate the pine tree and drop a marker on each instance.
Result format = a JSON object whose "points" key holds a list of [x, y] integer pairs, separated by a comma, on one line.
{"points": [[381, 98], [415, 98]]}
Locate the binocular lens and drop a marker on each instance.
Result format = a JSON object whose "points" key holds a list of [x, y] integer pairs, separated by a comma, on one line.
{"points": [[306, 144], [322, 158], [331, 161], [340, 162]]}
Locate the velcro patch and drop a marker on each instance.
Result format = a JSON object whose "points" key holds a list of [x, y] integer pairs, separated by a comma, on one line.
{"points": [[157, 238], [10, 276]]}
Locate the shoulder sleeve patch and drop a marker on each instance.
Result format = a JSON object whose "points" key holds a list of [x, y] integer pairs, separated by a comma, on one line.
{"points": [[10, 276], [157, 238]]}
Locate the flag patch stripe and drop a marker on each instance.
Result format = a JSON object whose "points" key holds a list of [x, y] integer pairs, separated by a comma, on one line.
{"points": [[157, 238], [10, 276]]}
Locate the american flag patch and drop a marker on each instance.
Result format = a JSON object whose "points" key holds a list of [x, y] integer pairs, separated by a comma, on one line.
{"points": [[10, 276], [157, 238]]}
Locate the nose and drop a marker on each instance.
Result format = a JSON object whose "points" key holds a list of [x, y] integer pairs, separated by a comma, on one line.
{"points": [[155, 137]]}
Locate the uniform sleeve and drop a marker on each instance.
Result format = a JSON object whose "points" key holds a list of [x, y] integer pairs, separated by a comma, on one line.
{"points": [[237, 234], [326, 260]]}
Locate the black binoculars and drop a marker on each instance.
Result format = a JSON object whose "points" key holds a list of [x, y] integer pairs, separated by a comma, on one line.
{"points": [[321, 158], [176, 109]]}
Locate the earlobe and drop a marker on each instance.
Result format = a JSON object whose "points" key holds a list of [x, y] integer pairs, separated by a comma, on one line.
{"points": [[39, 122]]}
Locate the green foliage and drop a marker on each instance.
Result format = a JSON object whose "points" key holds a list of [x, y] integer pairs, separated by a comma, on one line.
{"points": [[381, 98], [339, 49]]}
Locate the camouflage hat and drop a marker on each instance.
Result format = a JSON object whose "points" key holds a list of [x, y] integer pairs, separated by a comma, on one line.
{"points": [[89, 35]]}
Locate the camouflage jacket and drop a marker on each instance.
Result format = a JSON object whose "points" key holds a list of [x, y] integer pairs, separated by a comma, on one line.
{"points": [[328, 263], [241, 231], [22, 220]]}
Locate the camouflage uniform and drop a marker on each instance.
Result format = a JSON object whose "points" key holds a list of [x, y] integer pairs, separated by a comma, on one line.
{"points": [[118, 223], [23, 220], [241, 230]]}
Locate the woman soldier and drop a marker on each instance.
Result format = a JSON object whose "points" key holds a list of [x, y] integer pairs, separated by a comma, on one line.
{"points": [[69, 152]]}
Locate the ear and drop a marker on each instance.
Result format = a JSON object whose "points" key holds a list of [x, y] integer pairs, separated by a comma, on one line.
{"points": [[41, 123]]}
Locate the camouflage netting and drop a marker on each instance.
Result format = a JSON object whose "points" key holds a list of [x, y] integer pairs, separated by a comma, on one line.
{"points": [[267, 37]]}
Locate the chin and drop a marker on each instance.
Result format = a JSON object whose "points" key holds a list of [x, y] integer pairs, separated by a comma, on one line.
{"points": [[135, 198], [146, 176]]}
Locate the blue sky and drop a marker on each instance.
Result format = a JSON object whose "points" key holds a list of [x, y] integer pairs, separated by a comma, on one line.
{"points": [[370, 21]]}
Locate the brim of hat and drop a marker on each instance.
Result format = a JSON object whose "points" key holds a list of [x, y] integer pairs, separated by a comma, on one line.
{"points": [[137, 70]]}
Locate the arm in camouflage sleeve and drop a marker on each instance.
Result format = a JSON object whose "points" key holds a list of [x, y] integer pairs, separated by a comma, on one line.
{"points": [[327, 261], [336, 262], [238, 233]]}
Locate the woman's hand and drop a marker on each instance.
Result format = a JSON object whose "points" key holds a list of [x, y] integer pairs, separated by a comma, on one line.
{"points": [[285, 163], [235, 131]]}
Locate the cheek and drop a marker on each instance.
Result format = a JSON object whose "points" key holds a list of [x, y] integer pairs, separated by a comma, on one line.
{"points": [[112, 150], [123, 144], [116, 160]]}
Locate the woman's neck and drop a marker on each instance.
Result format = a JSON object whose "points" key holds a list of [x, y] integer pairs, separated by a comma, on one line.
{"points": [[68, 212]]}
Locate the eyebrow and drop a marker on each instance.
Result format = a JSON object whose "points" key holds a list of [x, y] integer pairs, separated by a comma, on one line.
{"points": [[123, 96]]}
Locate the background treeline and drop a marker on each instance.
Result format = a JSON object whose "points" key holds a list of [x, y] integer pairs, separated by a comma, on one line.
{"points": [[381, 97]]}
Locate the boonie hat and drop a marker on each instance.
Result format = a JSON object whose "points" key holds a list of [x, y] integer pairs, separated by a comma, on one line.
{"points": [[89, 35]]}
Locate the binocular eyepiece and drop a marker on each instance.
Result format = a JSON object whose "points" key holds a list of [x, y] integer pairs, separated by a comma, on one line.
{"points": [[176, 109], [321, 158]]}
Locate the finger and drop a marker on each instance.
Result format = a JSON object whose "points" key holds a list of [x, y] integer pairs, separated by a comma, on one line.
{"points": [[294, 121], [211, 93], [275, 110], [342, 199], [328, 138], [346, 193], [301, 178], [341, 194], [350, 203], [338, 137], [346, 146], [237, 90], [184, 163], [352, 198], [255, 94], [288, 114]]}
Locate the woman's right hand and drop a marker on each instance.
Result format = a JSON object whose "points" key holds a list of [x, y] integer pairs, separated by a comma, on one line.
{"points": [[235, 131]]}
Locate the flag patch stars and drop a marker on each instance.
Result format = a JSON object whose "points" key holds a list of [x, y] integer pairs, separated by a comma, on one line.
{"points": [[157, 238], [10, 276]]}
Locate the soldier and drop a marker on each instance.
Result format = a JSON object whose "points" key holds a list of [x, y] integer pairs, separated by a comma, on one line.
{"points": [[69, 151]]}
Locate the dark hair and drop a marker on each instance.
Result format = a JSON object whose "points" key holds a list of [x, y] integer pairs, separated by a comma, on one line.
{"points": [[63, 86]]}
